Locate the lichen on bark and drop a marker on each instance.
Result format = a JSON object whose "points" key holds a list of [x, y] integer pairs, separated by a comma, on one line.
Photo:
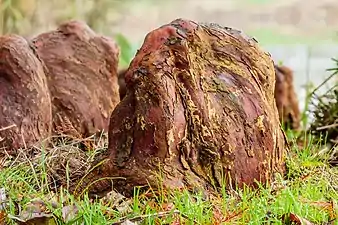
{"points": [[199, 109]]}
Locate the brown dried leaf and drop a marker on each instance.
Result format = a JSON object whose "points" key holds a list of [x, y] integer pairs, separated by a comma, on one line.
{"points": [[117, 201], [69, 213], [36, 212], [35, 218], [128, 222], [295, 219], [3, 216], [168, 206]]}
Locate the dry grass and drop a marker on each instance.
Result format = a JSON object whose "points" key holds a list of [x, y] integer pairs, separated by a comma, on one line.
{"points": [[309, 190], [324, 107], [65, 161]]}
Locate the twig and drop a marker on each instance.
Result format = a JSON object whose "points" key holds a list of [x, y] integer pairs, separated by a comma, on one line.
{"points": [[234, 215], [334, 141], [6, 128], [324, 82], [327, 126], [142, 217]]}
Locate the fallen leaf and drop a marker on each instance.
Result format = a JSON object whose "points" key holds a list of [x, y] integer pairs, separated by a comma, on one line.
{"points": [[2, 218], [128, 222], [35, 219], [69, 213], [119, 202], [124, 207], [292, 218], [168, 206], [141, 218], [37, 213]]}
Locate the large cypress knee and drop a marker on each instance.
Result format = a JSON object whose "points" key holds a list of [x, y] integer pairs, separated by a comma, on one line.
{"points": [[199, 111]]}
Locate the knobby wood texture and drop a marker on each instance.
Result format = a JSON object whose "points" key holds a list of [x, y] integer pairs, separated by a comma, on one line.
{"points": [[199, 111], [81, 68], [285, 96], [25, 115]]}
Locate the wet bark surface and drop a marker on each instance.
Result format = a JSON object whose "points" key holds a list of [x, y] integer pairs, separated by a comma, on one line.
{"points": [[199, 111], [25, 115], [286, 98], [81, 68]]}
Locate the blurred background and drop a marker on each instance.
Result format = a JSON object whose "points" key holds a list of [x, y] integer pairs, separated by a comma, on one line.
{"points": [[299, 34]]}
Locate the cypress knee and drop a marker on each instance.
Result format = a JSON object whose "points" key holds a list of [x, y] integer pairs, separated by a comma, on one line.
{"points": [[81, 68], [199, 111], [286, 98], [25, 115]]}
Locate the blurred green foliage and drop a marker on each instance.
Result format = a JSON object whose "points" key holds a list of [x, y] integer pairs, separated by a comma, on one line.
{"points": [[29, 17], [126, 48], [11, 15]]}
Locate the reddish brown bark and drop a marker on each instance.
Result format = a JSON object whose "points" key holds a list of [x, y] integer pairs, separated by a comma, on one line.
{"points": [[199, 111], [82, 77], [122, 83], [25, 115], [286, 98]]}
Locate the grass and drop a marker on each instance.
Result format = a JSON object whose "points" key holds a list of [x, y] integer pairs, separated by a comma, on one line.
{"points": [[268, 36], [27, 184], [309, 190]]}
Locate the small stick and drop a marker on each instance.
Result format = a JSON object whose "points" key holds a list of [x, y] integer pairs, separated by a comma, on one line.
{"points": [[6, 128], [141, 217], [328, 126]]}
